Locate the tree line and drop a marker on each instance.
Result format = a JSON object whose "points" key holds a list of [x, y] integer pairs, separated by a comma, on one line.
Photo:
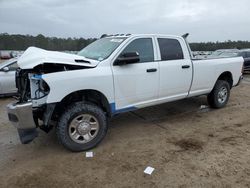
{"points": [[22, 42], [212, 46]]}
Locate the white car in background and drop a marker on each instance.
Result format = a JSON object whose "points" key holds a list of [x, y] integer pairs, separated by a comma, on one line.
{"points": [[218, 53], [7, 77]]}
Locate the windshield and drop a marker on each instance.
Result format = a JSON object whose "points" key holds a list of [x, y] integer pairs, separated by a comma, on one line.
{"points": [[102, 48]]}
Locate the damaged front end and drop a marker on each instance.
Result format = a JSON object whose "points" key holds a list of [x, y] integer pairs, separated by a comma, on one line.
{"points": [[26, 113], [31, 110]]}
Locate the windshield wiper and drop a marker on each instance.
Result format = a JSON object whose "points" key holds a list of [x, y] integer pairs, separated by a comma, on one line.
{"points": [[81, 61]]}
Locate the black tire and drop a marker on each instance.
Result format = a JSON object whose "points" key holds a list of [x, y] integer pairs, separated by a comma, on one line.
{"points": [[68, 116], [214, 99]]}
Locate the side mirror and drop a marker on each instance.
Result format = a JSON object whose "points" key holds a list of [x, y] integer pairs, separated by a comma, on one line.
{"points": [[6, 69], [127, 58]]}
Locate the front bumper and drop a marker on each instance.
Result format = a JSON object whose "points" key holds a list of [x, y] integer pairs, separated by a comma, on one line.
{"points": [[21, 116]]}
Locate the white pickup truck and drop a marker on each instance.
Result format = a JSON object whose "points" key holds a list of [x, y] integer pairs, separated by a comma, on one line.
{"points": [[78, 94]]}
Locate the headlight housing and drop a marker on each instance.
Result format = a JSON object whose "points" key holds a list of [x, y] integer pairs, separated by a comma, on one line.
{"points": [[39, 88]]}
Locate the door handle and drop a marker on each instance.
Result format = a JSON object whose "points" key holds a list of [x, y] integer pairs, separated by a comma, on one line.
{"points": [[185, 66], [151, 70]]}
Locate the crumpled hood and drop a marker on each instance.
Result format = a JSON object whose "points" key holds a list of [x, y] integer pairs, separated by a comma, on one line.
{"points": [[35, 56]]}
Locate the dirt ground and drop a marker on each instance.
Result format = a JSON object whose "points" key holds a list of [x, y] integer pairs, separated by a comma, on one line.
{"points": [[188, 147]]}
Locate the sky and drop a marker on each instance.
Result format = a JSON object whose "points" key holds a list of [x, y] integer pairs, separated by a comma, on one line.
{"points": [[205, 20]]}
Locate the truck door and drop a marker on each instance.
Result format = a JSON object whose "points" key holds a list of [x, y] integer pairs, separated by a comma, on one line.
{"points": [[136, 84], [175, 69]]}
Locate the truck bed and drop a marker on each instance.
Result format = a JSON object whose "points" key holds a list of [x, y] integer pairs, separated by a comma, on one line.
{"points": [[207, 71]]}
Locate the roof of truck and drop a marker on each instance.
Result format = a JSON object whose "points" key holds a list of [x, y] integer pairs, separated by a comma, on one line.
{"points": [[141, 35]]}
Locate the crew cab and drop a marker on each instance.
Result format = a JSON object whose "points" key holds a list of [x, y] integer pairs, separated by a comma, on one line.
{"points": [[78, 94]]}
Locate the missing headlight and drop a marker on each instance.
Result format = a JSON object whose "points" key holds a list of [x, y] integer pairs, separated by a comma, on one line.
{"points": [[43, 86], [39, 88]]}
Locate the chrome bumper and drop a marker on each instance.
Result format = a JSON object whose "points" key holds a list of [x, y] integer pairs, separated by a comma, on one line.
{"points": [[21, 116]]}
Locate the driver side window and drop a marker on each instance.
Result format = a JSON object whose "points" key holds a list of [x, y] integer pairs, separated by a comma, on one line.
{"points": [[144, 46]]}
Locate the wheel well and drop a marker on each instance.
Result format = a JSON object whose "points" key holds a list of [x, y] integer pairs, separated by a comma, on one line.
{"points": [[227, 76], [90, 96]]}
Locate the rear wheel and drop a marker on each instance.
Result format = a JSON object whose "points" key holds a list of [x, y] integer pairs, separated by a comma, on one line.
{"points": [[219, 96], [82, 126]]}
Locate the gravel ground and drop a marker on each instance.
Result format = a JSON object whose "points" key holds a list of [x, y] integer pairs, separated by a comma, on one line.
{"points": [[188, 147]]}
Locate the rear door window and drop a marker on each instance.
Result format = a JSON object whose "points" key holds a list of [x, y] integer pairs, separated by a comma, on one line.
{"points": [[170, 49]]}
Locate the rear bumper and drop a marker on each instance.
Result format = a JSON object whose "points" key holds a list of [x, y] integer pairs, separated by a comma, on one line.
{"points": [[21, 116]]}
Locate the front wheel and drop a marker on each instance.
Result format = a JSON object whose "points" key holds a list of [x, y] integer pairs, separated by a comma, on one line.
{"points": [[219, 96], [82, 127]]}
